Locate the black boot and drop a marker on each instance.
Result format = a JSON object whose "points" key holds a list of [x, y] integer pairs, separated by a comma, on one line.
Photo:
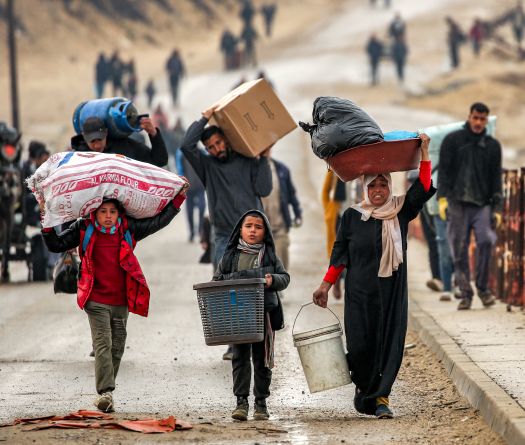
{"points": [[241, 412], [261, 411]]}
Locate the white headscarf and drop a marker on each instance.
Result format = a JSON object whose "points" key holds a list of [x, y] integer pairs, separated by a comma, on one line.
{"points": [[392, 245]]}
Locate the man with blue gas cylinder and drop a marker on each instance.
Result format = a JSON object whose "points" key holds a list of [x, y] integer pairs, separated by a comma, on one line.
{"points": [[105, 125]]}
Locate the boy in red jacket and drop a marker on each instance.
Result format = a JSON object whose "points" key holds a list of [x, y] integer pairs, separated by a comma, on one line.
{"points": [[110, 283]]}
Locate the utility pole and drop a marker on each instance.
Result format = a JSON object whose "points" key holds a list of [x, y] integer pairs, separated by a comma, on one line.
{"points": [[11, 43]]}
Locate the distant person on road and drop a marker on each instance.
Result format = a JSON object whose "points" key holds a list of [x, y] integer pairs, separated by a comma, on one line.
{"points": [[116, 72], [268, 11], [95, 137], [518, 23], [455, 38], [159, 118], [277, 208], [374, 49], [247, 12], [371, 244], [195, 196], [229, 49], [476, 35], [174, 143], [111, 283], [38, 154], [397, 28], [102, 73], [234, 183], [131, 80], [176, 71], [438, 229], [429, 231], [205, 241], [251, 253], [399, 56], [249, 36], [150, 91], [470, 195]]}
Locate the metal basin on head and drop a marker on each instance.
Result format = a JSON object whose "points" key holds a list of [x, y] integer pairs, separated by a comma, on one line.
{"points": [[377, 158]]}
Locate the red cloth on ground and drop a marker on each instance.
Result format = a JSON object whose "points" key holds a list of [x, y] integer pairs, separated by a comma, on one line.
{"points": [[425, 174], [110, 279], [95, 419], [333, 273]]}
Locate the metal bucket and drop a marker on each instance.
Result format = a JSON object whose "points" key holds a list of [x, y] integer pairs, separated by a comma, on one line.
{"points": [[322, 356]]}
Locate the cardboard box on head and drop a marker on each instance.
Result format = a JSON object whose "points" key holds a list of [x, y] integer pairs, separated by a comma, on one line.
{"points": [[252, 118]]}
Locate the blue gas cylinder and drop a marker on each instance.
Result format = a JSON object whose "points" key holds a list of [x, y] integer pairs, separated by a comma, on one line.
{"points": [[118, 113]]}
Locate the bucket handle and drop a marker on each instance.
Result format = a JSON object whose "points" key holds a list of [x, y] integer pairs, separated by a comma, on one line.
{"points": [[307, 304]]}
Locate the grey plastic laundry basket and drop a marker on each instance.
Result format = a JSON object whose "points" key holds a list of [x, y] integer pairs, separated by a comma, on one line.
{"points": [[232, 311]]}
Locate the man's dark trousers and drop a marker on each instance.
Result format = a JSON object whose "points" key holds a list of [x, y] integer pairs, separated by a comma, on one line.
{"points": [[463, 218]]}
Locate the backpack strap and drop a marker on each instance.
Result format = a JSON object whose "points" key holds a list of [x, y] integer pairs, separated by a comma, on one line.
{"points": [[127, 234], [127, 237], [87, 236]]}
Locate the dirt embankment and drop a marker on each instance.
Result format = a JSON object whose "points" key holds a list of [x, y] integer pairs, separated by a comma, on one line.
{"points": [[58, 43]]}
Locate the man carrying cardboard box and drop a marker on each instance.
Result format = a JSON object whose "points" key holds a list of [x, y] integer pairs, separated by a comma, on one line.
{"points": [[234, 183]]}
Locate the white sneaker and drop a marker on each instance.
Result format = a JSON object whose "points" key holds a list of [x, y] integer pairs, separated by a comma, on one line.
{"points": [[104, 402], [446, 296]]}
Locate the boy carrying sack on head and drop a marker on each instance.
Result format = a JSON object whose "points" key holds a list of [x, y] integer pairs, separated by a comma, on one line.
{"points": [[251, 254], [110, 282]]}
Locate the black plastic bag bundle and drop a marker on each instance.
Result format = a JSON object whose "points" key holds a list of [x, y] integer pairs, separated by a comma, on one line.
{"points": [[65, 274], [339, 124]]}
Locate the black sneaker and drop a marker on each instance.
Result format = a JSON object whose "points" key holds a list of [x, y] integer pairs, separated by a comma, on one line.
{"points": [[464, 304], [487, 298], [241, 412], [261, 411], [384, 412]]}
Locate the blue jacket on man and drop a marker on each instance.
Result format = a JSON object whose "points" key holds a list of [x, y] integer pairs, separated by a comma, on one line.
{"points": [[287, 193]]}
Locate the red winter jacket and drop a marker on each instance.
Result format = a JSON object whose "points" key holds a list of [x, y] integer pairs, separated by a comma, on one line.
{"points": [[138, 293], [136, 287]]}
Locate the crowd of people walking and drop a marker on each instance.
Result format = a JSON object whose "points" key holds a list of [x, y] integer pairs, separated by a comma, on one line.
{"points": [[240, 50], [246, 207], [395, 46]]}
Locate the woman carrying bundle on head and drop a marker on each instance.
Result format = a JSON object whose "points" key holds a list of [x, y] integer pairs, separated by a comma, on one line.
{"points": [[371, 243]]}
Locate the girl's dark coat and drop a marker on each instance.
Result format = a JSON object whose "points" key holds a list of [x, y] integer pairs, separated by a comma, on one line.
{"points": [[271, 264]]}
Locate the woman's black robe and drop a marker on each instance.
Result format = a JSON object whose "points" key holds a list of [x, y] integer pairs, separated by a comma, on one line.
{"points": [[375, 308]]}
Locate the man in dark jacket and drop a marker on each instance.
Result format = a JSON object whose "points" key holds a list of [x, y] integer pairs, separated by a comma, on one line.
{"points": [[455, 38], [176, 71], [470, 190], [277, 209], [228, 47], [374, 49], [234, 183], [95, 137]]}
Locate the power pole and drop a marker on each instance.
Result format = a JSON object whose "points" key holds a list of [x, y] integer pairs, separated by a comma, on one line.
{"points": [[11, 43]]}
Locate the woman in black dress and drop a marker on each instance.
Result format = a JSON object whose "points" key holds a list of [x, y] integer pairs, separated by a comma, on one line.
{"points": [[371, 243]]}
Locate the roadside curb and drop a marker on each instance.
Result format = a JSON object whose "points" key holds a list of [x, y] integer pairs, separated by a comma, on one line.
{"points": [[502, 413]]}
